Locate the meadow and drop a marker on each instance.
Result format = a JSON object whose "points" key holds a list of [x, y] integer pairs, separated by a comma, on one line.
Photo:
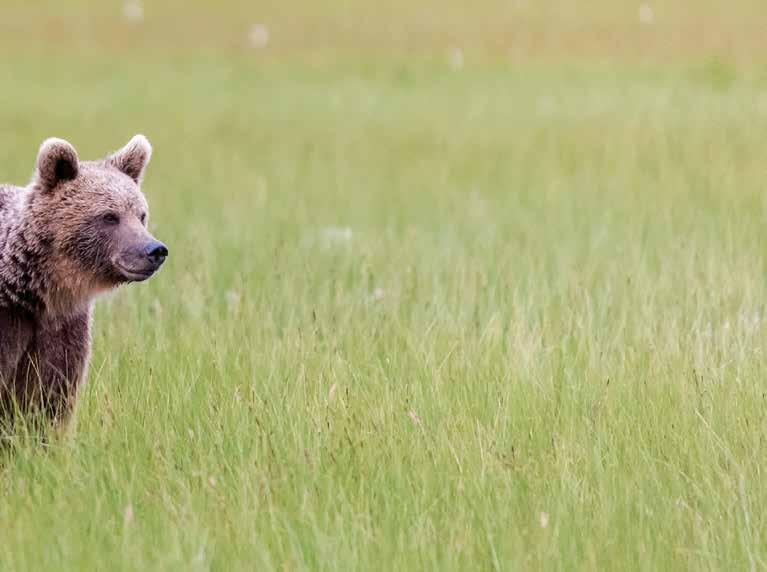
{"points": [[439, 296]]}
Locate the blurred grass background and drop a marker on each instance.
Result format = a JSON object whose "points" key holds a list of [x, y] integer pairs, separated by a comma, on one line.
{"points": [[487, 30], [451, 286]]}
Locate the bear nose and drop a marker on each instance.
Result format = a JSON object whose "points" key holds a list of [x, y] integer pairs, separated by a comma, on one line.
{"points": [[156, 251]]}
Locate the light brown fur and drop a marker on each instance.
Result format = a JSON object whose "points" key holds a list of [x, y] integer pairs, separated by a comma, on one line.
{"points": [[77, 230]]}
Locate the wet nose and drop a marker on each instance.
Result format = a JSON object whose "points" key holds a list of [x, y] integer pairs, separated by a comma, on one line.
{"points": [[156, 251]]}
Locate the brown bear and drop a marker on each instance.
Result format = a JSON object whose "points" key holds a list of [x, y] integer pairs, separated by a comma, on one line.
{"points": [[77, 230]]}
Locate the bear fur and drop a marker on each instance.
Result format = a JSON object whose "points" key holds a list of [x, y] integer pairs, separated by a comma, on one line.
{"points": [[77, 230]]}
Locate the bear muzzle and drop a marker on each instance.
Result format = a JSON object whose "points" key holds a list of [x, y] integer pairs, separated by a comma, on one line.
{"points": [[138, 264], [156, 251]]}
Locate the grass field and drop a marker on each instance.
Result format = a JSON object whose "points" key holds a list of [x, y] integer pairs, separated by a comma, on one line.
{"points": [[504, 314]]}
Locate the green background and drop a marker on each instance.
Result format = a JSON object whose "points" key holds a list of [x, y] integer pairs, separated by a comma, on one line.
{"points": [[451, 286]]}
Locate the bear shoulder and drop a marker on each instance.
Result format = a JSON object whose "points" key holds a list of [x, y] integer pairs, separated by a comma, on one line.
{"points": [[10, 196], [10, 203]]}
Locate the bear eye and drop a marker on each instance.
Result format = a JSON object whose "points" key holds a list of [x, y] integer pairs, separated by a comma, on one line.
{"points": [[111, 218], [142, 218]]}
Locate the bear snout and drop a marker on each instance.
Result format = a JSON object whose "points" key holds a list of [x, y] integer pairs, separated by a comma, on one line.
{"points": [[156, 251], [139, 262]]}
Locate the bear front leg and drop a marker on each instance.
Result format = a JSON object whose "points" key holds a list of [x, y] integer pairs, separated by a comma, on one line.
{"points": [[16, 332], [56, 366]]}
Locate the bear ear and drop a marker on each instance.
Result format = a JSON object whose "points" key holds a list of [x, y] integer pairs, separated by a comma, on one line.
{"points": [[133, 158], [56, 162]]}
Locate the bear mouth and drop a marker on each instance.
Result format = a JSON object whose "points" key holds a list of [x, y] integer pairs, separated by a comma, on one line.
{"points": [[134, 274]]}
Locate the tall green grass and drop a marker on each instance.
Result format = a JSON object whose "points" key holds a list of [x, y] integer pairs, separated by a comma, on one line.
{"points": [[412, 318]]}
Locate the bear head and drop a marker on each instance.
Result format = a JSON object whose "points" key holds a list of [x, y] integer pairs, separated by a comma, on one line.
{"points": [[91, 219]]}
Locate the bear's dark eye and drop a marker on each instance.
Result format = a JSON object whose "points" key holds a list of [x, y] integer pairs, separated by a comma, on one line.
{"points": [[142, 218], [111, 218]]}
